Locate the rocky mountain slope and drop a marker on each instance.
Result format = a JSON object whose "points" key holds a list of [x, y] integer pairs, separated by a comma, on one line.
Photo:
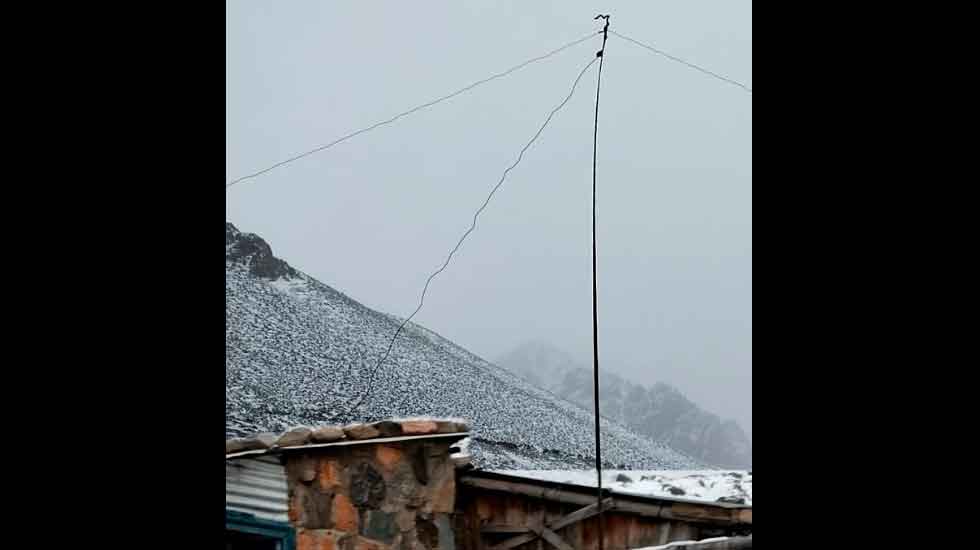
{"points": [[299, 352], [660, 412]]}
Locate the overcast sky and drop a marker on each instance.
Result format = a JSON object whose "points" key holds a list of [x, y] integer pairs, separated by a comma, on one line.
{"points": [[374, 216]]}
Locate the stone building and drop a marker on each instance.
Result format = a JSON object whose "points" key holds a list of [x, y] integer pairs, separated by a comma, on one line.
{"points": [[405, 485]]}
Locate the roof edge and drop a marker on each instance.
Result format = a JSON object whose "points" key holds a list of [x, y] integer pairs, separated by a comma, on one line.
{"points": [[343, 443], [687, 509]]}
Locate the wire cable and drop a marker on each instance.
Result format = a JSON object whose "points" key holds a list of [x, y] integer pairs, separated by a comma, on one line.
{"points": [[425, 289], [412, 110], [688, 63]]}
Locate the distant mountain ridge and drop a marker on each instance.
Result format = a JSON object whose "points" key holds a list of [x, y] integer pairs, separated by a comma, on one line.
{"points": [[298, 352], [660, 412]]}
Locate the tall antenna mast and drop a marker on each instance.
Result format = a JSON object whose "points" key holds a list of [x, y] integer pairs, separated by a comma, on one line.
{"points": [[595, 299]]}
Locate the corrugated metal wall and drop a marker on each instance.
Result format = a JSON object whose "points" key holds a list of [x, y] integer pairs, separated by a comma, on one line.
{"points": [[257, 486]]}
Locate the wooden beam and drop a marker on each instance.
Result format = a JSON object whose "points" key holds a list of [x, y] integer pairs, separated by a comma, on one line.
{"points": [[683, 511], [581, 513], [515, 541], [491, 529], [564, 521], [640, 508], [554, 539], [680, 512], [695, 511], [664, 533], [691, 513], [528, 489], [745, 515]]}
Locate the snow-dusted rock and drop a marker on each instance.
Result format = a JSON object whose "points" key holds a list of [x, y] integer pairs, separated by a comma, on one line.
{"points": [[327, 434]]}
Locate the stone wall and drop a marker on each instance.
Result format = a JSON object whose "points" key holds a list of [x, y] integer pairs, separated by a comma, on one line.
{"points": [[373, 496]]}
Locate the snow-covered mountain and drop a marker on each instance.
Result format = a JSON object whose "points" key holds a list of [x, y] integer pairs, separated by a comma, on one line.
{"points": [[299, 352], [660, 412]]}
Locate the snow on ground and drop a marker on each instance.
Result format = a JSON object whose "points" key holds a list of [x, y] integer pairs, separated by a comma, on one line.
{"points": [[705, 485], [296, 287], [299, 352]]}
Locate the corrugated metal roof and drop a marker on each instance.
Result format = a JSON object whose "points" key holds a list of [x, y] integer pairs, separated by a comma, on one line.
{"points": [[257, 486]]}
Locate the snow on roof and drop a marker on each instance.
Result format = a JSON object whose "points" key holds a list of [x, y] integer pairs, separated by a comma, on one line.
{"points": [[733, 487]]}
